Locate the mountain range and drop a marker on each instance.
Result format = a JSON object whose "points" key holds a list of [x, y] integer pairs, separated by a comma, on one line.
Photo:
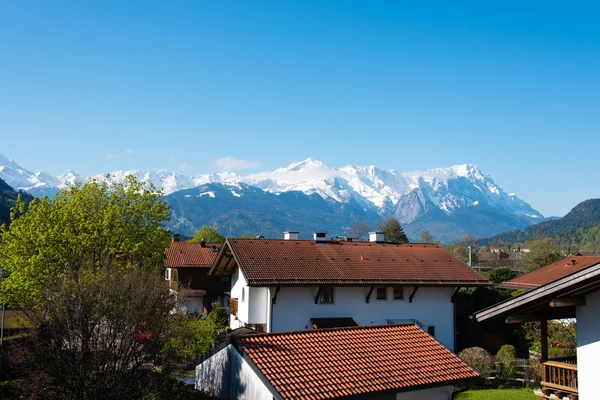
{"points": [[446, 201]]}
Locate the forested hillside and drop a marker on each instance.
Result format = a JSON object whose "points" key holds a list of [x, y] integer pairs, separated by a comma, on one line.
{"points": [[8, 196]]}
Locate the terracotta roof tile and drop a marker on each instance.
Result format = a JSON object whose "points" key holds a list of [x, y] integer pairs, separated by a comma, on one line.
{"points": [[295, 262], [327, 363], [551, 272], [188, 254]]}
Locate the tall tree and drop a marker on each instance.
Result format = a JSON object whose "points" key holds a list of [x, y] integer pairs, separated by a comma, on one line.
{"points": [[359, 230], [393, 230], [209, 234], [94, 224], [426, 237], [542, 252]]}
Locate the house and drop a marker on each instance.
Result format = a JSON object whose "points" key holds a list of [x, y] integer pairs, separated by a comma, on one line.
{"points": [[569, 288], [187, 265], [291, 284], [375, 362]]}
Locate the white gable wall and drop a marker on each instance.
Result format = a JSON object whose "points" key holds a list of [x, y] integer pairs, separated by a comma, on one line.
{"points": [[588, 346], [227, 375], [239, 284]]}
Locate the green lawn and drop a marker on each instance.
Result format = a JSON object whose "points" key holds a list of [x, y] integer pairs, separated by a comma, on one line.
{"points": [[498, 394]]}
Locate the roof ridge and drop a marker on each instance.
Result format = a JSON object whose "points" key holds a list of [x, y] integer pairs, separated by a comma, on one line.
{"points": [[320, 330]]}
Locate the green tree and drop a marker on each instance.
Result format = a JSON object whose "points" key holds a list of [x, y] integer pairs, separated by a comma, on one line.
{"points": [[358, 230], [209, 234], [461, 250], [393, 230], [94, 224], [507, 362], [499, 275], [542, 252], [426, 237]]}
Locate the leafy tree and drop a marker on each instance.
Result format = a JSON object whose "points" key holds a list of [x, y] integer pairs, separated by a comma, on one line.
{"points": [[507, 360], [426, 237], [209, 234], [479, 359], [92, 224], [542, 252], [461, 250], [393, 230], [359, 230], [96, 334], [499, 275]]}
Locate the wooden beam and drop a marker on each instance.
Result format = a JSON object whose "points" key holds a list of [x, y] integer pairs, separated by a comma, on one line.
{"points": [[549, 314], [568, 302], [317, 296], [274, 299], [369, 295], [544, 329], [412, 295]]}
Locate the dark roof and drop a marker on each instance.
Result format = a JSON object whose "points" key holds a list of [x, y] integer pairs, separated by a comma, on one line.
{"points": [[334, 363], [322, 323], [188, 254], [304, 262], [551, 272]]}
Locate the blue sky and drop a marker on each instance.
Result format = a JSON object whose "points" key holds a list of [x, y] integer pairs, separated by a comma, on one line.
{"points": [[513, 87]]}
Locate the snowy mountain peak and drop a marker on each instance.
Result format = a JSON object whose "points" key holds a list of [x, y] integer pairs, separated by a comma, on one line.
{"points": [[307, 164], [8, 162]]}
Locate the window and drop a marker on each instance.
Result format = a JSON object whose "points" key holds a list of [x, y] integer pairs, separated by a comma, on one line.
{"points": [[325, 295], [174, 275], [381, 293], [431, 330], [167, 274], [398, 293], [243, 294]]}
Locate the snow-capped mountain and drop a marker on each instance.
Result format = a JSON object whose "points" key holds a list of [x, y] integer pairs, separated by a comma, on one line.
{"points": [[412, 197]]}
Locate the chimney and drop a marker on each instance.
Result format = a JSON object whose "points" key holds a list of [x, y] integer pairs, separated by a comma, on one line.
{"points": [[202, 243], [376, 237], [320, 237], [175, 238], [290, 235]]}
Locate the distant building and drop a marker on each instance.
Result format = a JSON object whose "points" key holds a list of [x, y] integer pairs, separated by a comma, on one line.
{"points": [[186, 266]]}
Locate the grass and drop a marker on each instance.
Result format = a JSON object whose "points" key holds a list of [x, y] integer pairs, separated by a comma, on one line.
{"points": [[498, 394]]}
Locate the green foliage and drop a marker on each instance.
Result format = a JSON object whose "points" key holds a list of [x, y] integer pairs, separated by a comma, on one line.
{"points": [[507, 362], [562, 337], [92, 225], [8, 199], [541, 253], [209, 235], [461, 250], [426, 237], [479, 359], [498, 394], [393, 230], [499, 275]]}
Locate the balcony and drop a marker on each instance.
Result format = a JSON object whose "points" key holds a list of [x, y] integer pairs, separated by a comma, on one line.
{"points": [[233, 307], [559, 377]]}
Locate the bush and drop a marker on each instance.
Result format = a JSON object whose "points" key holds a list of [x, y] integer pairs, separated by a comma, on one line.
{"points": [[506, 362], [499, 275], [533, 372], [479, 359]]}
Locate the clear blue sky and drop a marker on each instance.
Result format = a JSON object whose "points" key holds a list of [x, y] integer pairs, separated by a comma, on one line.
{"points": [[511, 86]]}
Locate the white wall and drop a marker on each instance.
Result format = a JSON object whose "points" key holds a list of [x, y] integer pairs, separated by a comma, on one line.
{"points": [[227, 375], [239, 284], [431, 306], [441, 393], [588, 346], [257, 311]]}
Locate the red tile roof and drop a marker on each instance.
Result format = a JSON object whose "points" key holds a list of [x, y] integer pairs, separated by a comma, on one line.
{"points": [[304, 262], [551, 272], [331, 363], [187, 254]]}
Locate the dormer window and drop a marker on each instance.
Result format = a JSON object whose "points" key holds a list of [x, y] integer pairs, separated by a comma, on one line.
{"points": [[381, 293], [325, 295]]}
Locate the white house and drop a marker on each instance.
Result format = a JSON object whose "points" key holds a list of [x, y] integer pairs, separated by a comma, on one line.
{"points": [[290, 284], [569, 288], [373, 362]]}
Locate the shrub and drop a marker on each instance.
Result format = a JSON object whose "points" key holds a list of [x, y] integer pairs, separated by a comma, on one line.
{"points": [[479, 359], [506, 362], [499, 275], [533, 372]]}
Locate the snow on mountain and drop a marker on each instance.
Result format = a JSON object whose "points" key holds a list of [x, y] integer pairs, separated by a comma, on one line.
{"points": [[388, 192]]}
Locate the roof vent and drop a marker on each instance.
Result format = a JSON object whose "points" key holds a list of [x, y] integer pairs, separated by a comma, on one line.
{"points": [[377, 237], [290, 235], [320, 236]]}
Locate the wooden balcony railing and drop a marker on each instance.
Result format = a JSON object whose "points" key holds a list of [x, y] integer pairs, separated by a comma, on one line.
{"points": [[233, 307], [559, 376]]}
